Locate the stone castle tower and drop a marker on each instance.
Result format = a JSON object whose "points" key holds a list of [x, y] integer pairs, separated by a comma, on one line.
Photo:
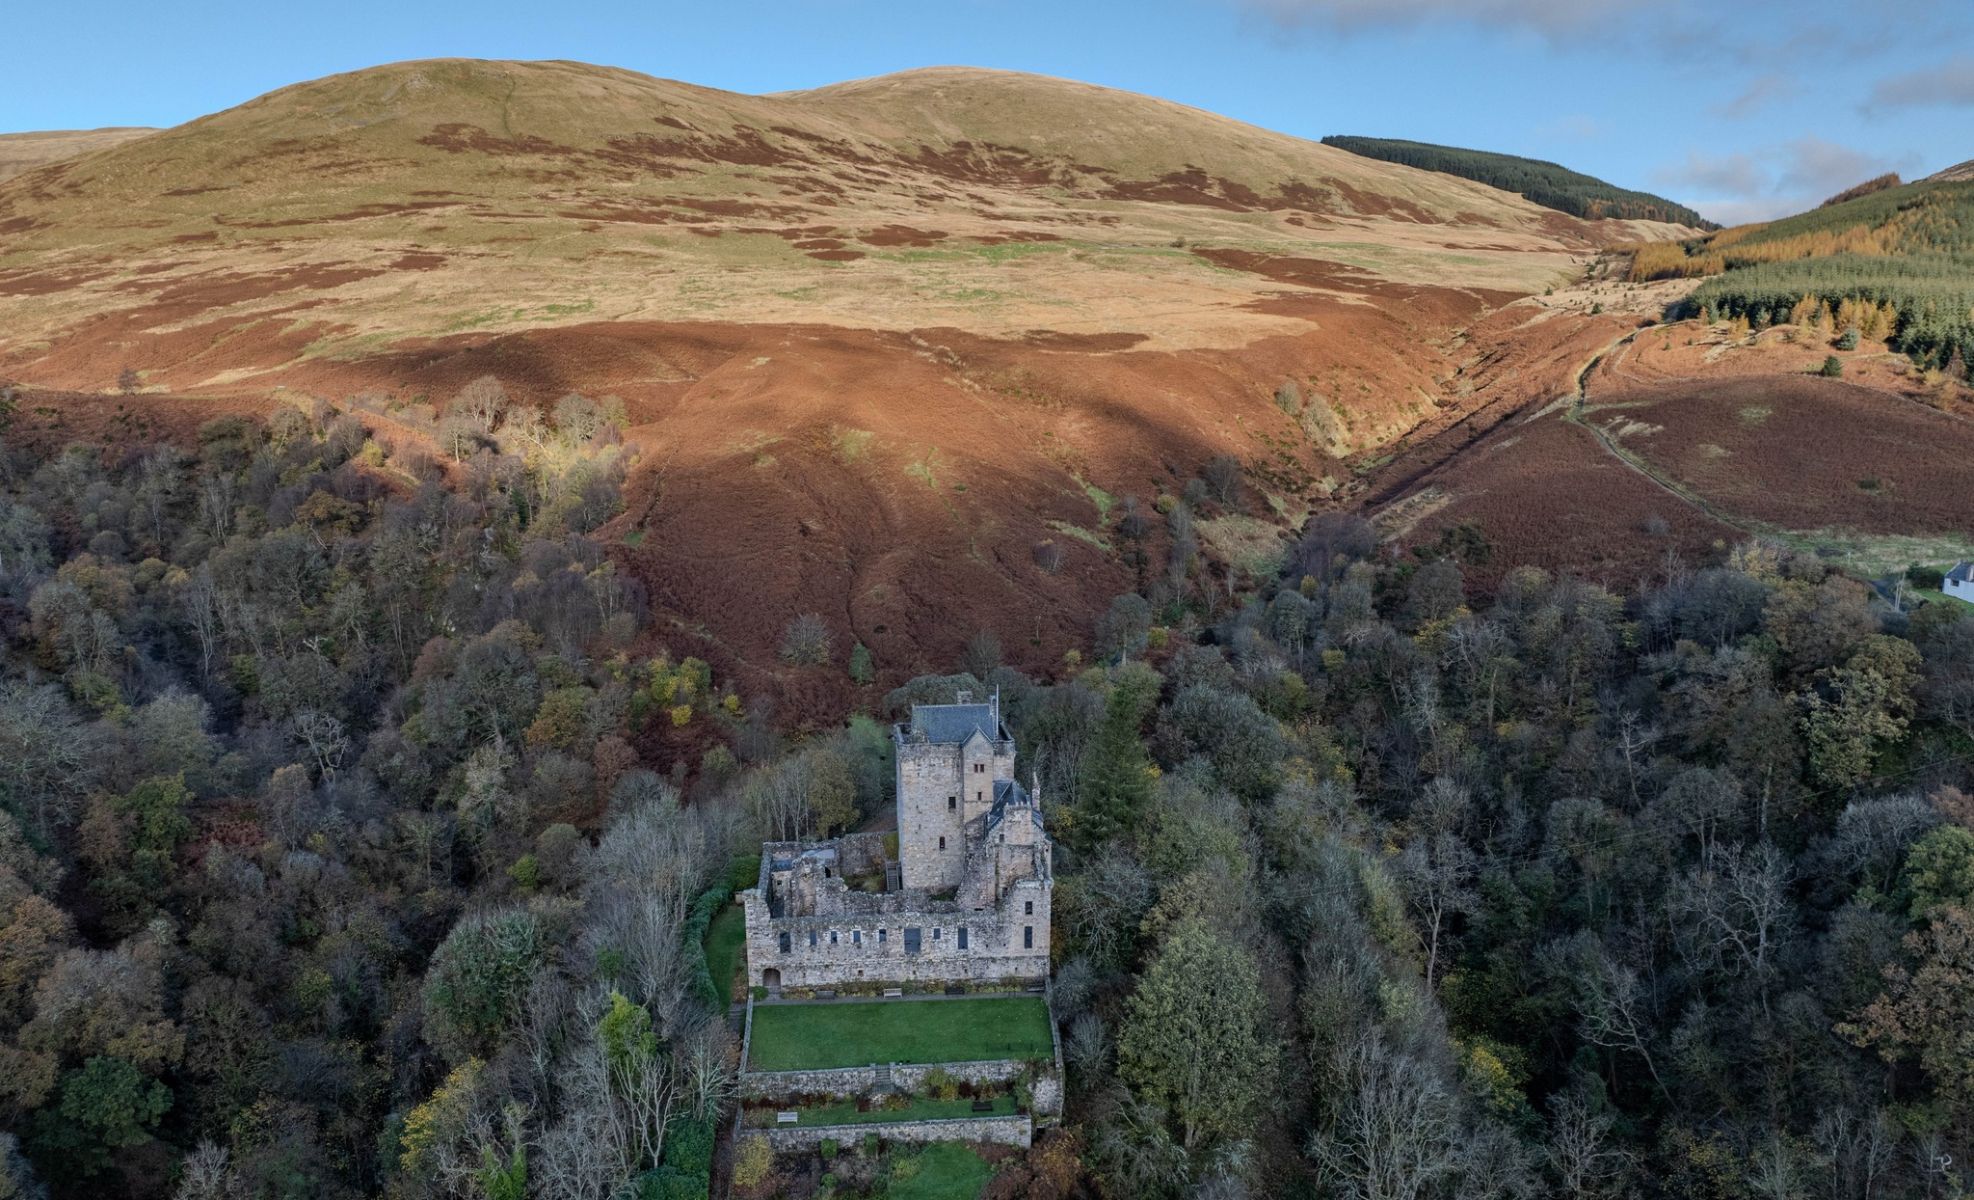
{"points": [[967, 898]]}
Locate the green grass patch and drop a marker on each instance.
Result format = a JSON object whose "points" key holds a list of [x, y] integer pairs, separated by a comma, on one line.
{"points": [[634, 538], [1253, 545], [941, 1171], [851, 444], [1872, 555], [809, 1037], [1102, 499], [1081, 534], [726, 947], [926, 470]]}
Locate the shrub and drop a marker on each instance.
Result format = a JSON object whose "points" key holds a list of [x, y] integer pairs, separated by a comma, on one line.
{"points": [[1849, 340], [1833, 367], [1925, 577], [826, 1148], [670, 1183], [862, 668], [526, 872], [753, 1160], [940, 1085], [689, 1146]]}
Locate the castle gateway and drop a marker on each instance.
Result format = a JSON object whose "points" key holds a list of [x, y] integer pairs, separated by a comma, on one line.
{"points": [[964, 900]]}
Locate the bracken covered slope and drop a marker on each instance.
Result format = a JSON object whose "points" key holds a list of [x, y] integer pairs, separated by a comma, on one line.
{"points": [[878, 342]]}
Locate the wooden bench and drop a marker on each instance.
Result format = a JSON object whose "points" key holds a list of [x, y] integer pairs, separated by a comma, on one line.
{"points": [[787, 1118], [894, 993]]}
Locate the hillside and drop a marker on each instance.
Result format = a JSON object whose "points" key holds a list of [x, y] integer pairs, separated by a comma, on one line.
{"points": [[23, 152], [1959, 173], [886, 348], [1910, 248], [1536, 180]]}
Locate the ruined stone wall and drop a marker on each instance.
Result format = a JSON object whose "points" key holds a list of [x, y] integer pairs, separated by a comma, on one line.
{"points": [[871, 948], [1004, 1131], [861, 853], [851, 1082]]}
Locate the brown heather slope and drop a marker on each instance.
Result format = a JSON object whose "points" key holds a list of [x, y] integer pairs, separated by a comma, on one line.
{"points": [[1690, 439], [877, 341], [23, 152]]}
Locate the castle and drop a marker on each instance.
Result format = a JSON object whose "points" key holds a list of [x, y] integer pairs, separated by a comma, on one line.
{"points": [[965, 898]]}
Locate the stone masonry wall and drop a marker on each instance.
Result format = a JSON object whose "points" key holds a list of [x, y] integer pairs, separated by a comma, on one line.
{"points": [[871, 948], [1005, 1131], [850, 1082], [776, 1085]]}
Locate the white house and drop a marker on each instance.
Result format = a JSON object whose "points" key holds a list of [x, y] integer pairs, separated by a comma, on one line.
{"points": [[1959, 582]]}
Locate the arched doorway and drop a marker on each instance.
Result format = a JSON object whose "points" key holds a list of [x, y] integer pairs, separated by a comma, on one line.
{"points": [[771, 979]]}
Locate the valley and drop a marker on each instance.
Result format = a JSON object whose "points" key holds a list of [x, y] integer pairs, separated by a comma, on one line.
{"points": [[895, 342]]}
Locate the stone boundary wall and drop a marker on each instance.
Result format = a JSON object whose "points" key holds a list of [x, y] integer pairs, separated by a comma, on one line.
{"points": [[859, 1081], [1006, 1131]]}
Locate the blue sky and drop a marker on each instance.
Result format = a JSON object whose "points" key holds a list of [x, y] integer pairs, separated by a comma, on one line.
{"points": [[1745, 109]]}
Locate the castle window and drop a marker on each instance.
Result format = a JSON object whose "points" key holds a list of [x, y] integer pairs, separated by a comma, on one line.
{"points": [[784, 943], [962, 937], [812, 939], [979, 768], [952, 802], [880, 936], [935, 933], [832, 937], [980, 797], [1027, 937], [856, 937], [942, 843], [1029, 911]]}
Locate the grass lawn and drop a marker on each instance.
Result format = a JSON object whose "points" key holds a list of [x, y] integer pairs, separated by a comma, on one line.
{"points": [[917, 1109], [941, 1171], [726, 944], [806, 1037]]}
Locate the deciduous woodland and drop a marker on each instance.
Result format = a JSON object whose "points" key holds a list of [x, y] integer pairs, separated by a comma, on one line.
{"points": [[359, 834]]}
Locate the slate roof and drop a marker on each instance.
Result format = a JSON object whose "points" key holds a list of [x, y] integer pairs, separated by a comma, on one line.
{"points": [[1962, 573], [951, 724]]}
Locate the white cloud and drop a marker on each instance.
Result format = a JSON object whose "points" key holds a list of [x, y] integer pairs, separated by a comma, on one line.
{"points": [[1814, 167], [1949, 85], [1711, 175], [1549, 17], [1772, 181], [1761, 92]]}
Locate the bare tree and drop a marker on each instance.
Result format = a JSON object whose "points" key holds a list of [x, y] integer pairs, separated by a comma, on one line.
{"points": [[806, 641], [1437, 869], [1394, 1132], [1580, 1150], [1734, 916], [208, 1176], [1611, 1008]]}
